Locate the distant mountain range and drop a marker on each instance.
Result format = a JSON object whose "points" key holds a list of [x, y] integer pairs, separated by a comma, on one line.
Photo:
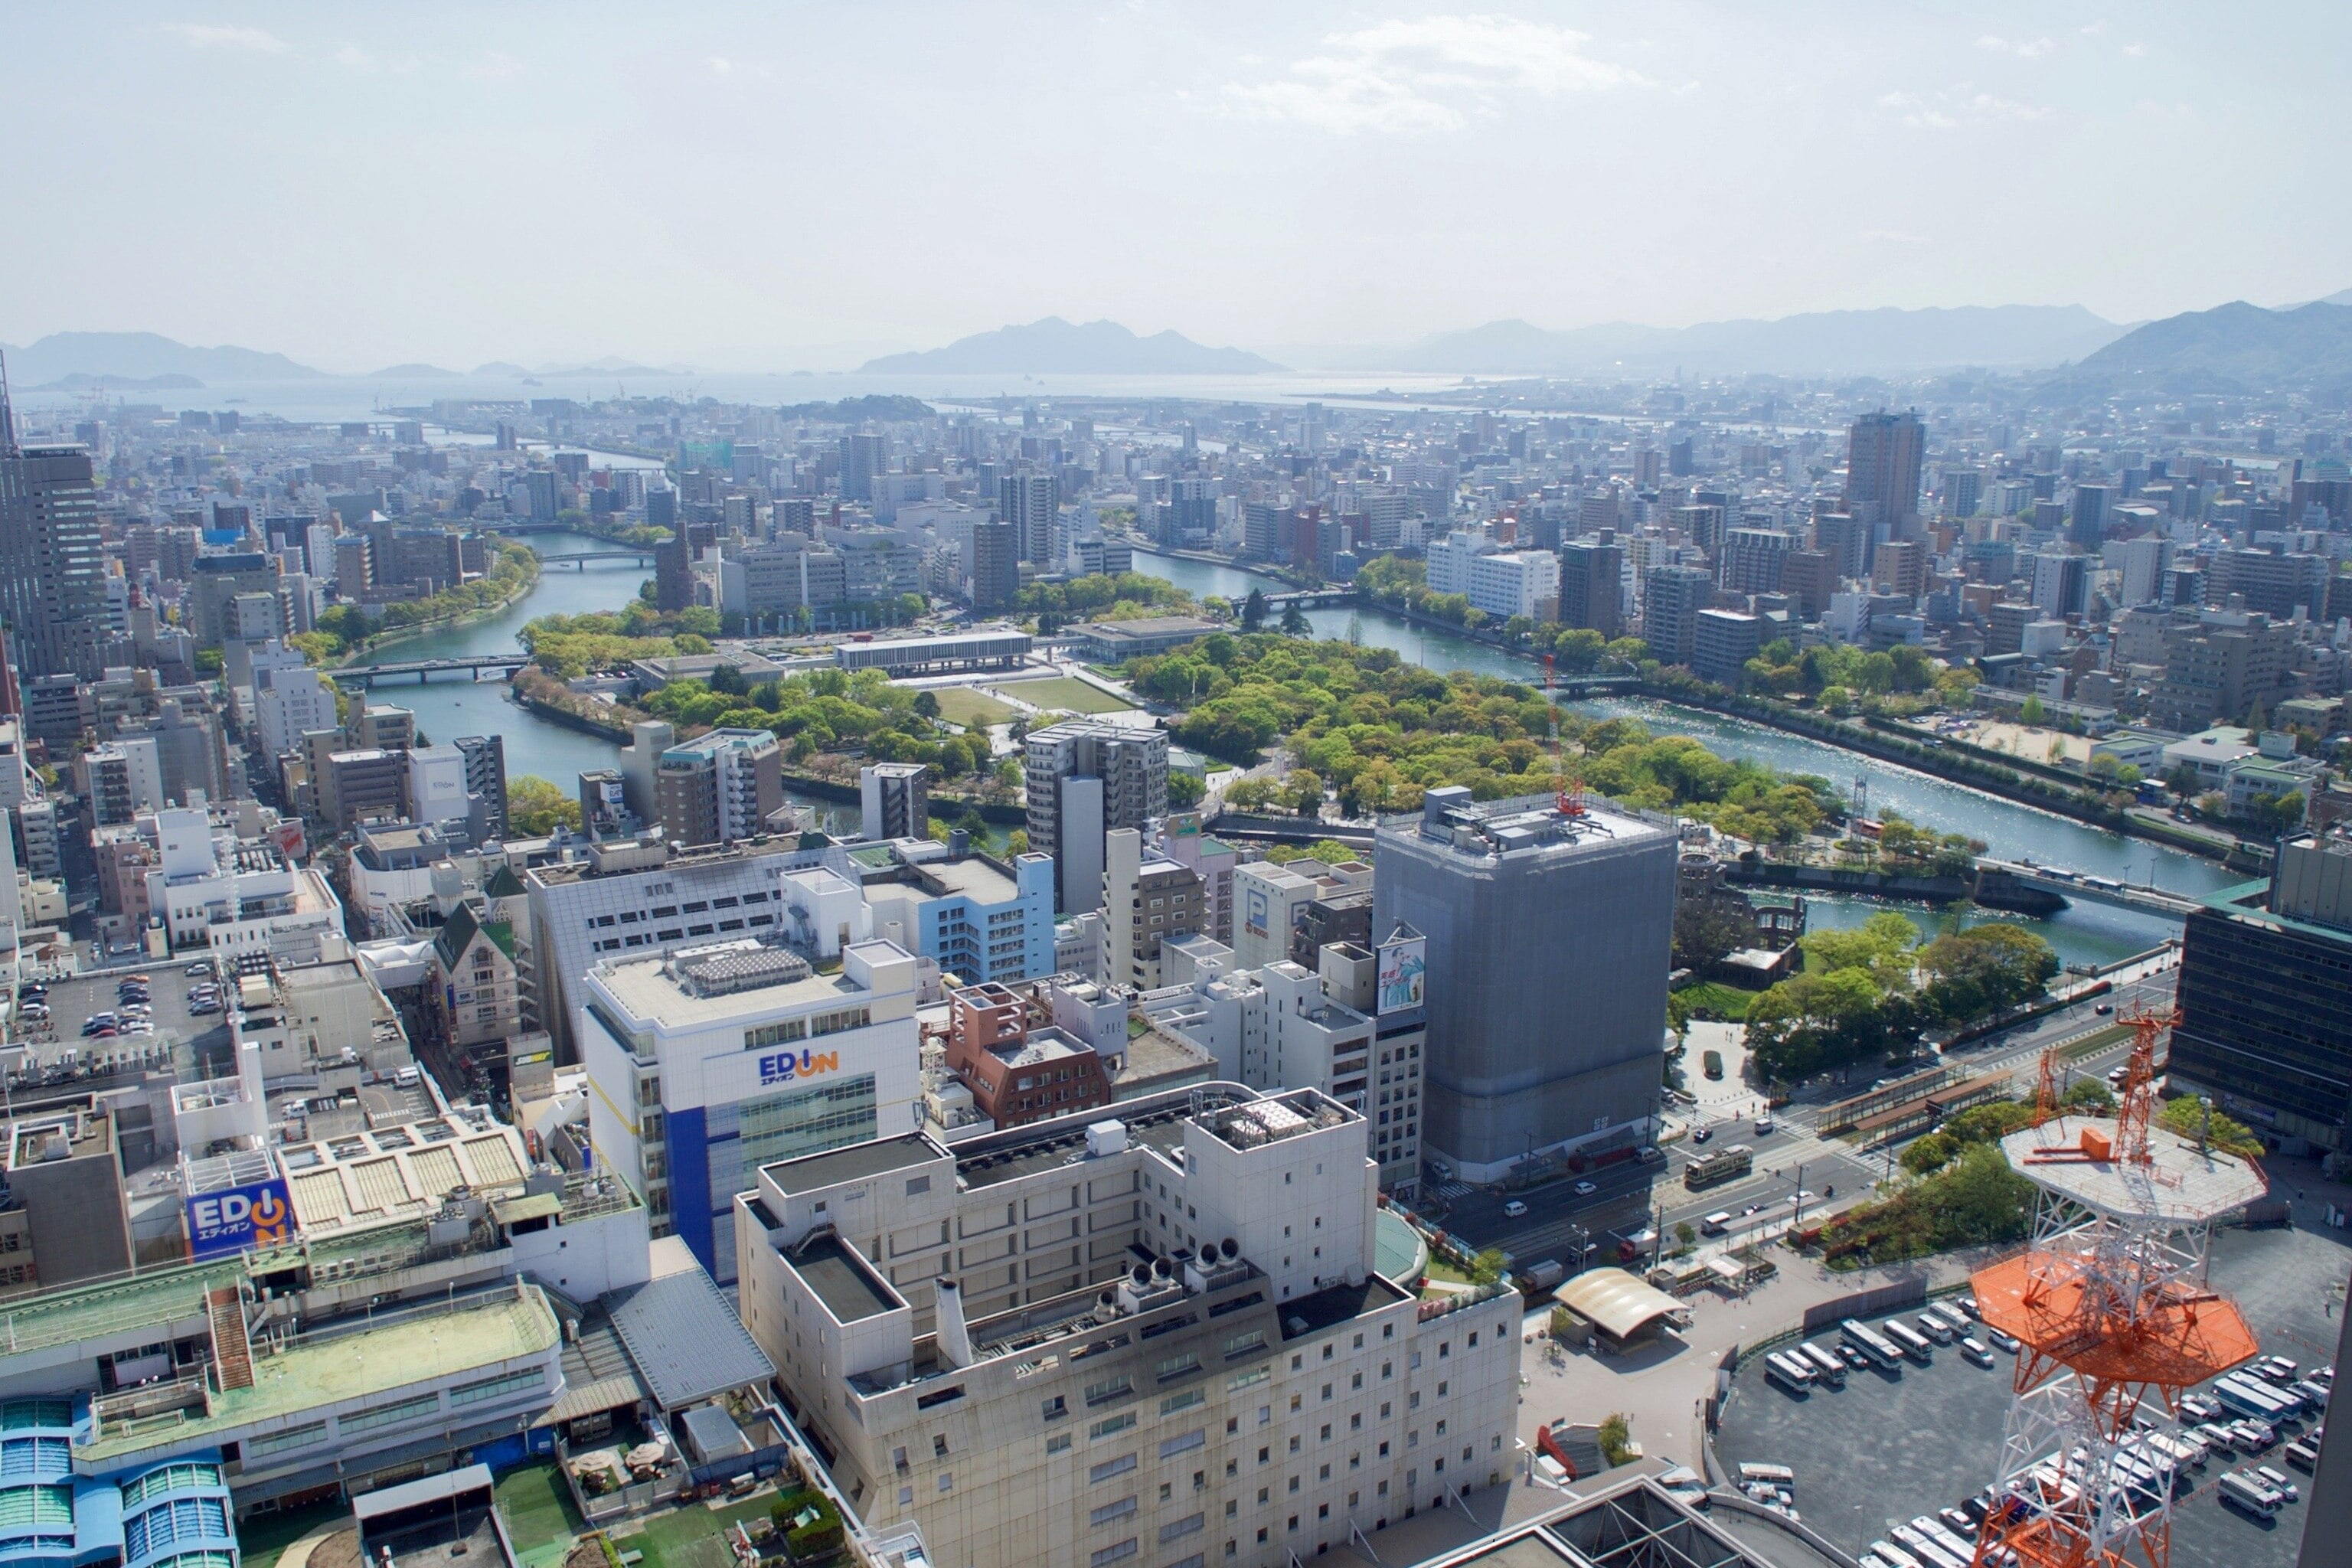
{"points": [[1055, 347], [1829, 341], [142, 356], [82, 382], [2236, 345]]}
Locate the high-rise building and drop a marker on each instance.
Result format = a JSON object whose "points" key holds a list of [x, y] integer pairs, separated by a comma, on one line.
{"points": [[1722, 644], [1030, 502], [1148, 901], [1751, 559], [288, 701], [1333, 1027], [864, 455], [1552, 932], [2061, 584], [485, 779], [995, 566], [2266, 996], [1901, 568], [1085, 778], [2086, 524], [1885, 454], [718, 787], [1672, 598], [2145, 561], [2220, 665], [1963, 492], [1842, 537], [1212, 1314], [892, 801], [52, 566], [1592, 583], [1809, 577]]}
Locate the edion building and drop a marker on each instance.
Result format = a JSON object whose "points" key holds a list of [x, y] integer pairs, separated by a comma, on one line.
{"points": [[1160, 1338], [714, 1060], [1552, 931]]}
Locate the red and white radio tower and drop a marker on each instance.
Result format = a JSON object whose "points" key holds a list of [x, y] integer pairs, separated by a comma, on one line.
{"points": [[2111, 1305]]}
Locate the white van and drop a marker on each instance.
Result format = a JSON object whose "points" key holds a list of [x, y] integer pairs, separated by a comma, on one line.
{"points": [[1716, 1224]]}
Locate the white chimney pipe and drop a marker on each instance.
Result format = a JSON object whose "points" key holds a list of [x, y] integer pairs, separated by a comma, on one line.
{"points": [[954, 1334]]}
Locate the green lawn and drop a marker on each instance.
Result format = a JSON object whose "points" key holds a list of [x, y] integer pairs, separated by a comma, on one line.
{"points": [[538, 1513], [970, 706], [688, 1537], [1713, 999], [1067, 694]]}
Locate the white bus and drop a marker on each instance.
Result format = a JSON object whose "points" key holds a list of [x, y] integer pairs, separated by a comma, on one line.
{"points": [[2248, 1397], [1915, 1343], [1826, 1363], [2252, 1496], [1871, 1342], [1921, 1546], [1791, 1373], [1769, 1474], [1932, 1324], [1942, 1534], [1887, 1556]]}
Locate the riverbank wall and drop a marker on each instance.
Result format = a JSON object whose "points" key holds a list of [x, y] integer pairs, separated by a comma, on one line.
{"points": [[1991, 889], [944, 804], [389, 636], [1965, 771], [617, 734]]}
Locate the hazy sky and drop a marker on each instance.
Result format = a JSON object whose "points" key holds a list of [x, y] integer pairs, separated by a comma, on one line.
{"points": [[779, 187]]}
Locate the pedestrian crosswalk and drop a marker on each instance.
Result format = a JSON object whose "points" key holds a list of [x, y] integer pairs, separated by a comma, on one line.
{"points": [[1449, 1191]]}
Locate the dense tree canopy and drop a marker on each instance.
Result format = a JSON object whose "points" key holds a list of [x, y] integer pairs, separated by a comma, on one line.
{"points": [[1377, 732], [1870, 990]]}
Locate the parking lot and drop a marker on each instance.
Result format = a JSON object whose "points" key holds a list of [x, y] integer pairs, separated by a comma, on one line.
{"points": [[1893, 1445], [199, 1044]]}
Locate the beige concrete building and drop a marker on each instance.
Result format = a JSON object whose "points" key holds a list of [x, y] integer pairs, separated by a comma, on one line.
{"points": [[1160, 1338]]}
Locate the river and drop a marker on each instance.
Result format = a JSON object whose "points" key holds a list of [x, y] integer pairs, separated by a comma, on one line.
{"points": [[446, 709], [2086, 932]]}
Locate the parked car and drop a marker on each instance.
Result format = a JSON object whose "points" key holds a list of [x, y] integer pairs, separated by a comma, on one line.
{"points": [[2279, 1479]]}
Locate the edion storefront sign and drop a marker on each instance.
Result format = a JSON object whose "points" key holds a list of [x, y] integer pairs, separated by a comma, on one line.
{"points": [[255, 1215]]}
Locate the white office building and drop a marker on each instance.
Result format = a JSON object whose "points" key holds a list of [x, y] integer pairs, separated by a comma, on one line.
{"points": [[1516, 582], [287, 703], [710, 1062]]}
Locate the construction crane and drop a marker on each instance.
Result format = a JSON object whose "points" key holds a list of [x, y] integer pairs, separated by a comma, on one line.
{"points": [[1568, 789]]}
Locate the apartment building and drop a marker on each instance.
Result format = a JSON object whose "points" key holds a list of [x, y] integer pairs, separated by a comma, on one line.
{"points": [[973, 916], [1148, 901], [707, 1063], [1086, 777], [718, 787], [1161, 1337], [1286, 1026]]}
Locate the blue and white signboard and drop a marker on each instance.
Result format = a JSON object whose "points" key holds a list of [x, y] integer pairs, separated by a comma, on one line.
{"points": [[236, 1218]]}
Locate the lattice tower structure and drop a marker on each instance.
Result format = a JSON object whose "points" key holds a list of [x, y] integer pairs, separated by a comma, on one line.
{"points": [[2111, 1304]]}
